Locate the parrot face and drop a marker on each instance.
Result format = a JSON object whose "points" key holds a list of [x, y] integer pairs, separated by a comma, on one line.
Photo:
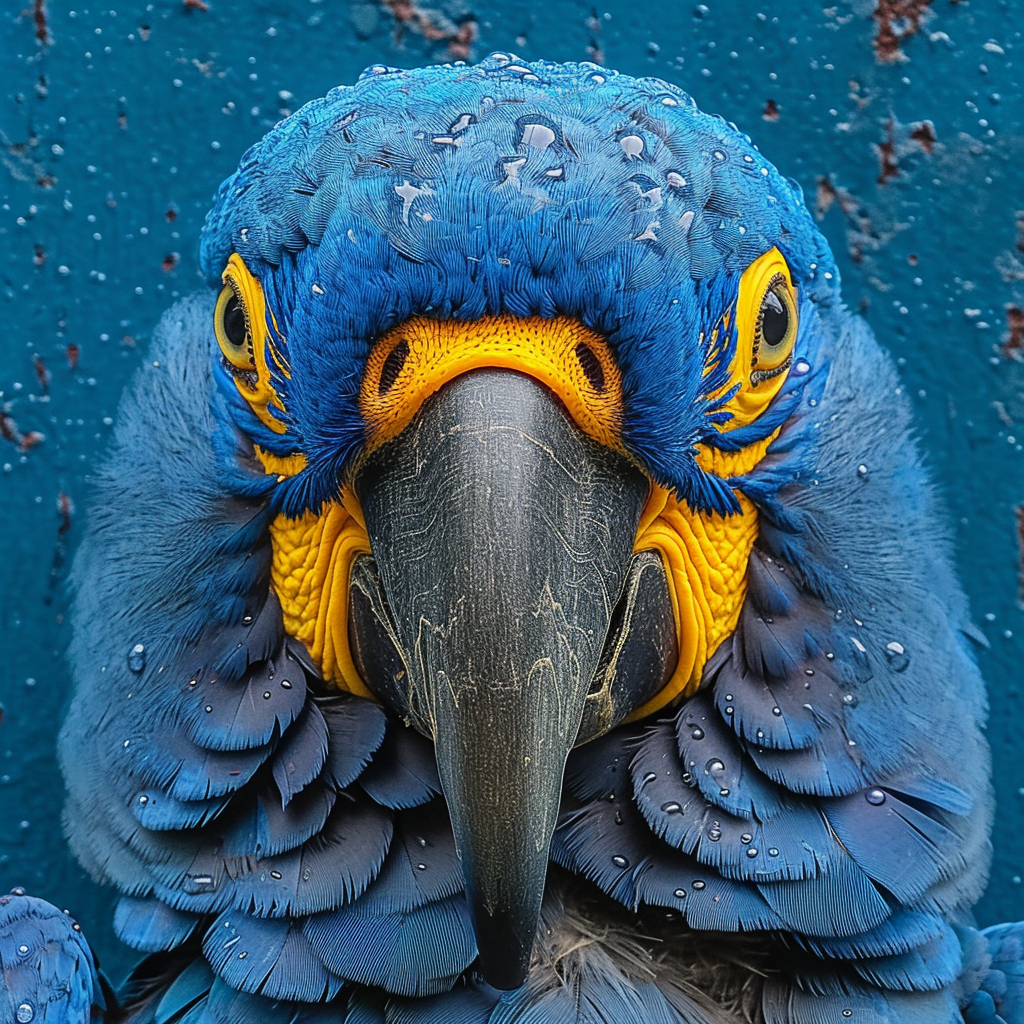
{"points": [[508, 520], [535, 421]]}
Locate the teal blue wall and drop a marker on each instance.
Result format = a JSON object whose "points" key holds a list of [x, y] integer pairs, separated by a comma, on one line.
{"points": [[114, 136]]}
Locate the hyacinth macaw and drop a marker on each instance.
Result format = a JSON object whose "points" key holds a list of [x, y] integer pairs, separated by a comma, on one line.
{"points": [[515, 595]]}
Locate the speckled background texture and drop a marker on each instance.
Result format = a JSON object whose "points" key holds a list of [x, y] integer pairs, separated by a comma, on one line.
{"points": [[904, 124]]}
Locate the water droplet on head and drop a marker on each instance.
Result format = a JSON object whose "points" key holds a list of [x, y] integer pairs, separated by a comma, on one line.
{"points": [[714, 834], [421, 867], [25, 1013], [714, 766], [266, 695], [849, 700], [23, 949], [137, 659], [696, 733], [697, 884], [632, 146], [746, 837], [897, 656], [862, 471], [539, 136], [286, 684], [875, 796], [801, 368], [649, 777], [680, 894], [777, 712], [773, 851], [619, 861], [752, 851], [672, 807]]}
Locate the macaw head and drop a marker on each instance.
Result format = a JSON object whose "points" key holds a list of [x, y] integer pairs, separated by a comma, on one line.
{"points": [[505, 348]]}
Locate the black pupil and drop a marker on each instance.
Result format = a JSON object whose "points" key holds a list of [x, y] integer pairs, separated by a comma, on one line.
{"points": [[774, 319], [234, 322], [591, 367], [393, 367]]}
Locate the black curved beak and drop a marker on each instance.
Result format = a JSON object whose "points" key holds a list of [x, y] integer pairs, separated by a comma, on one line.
{"points": [[502, 536]]}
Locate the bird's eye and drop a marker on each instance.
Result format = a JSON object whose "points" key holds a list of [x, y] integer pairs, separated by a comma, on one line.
{"points": [[774, 331], [251, 344], [766, 320], [231, 323]]}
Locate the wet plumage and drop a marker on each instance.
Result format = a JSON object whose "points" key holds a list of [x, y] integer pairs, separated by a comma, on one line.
{"points": [[798, 841]]}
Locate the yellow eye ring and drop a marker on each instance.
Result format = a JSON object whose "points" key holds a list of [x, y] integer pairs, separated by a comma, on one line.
{"points": [[231, 325], [767, 321], [774, 332], [240, 322]]}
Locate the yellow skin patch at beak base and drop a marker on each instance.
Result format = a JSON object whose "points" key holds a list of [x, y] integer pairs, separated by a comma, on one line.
{"points": [[705, 554], [310, 569], [411, 362], [705, 557]]}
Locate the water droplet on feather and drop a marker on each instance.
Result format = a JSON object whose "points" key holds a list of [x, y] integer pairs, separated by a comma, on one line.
{"points": [[136, 660]]}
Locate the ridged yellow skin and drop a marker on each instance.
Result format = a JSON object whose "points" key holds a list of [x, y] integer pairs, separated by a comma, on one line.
{"points": [[705, 554], [705, 557], [312, 558]]}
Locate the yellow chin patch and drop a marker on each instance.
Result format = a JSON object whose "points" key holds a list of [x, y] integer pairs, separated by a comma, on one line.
{"points": [[411, 362], [705, 554], [705, 557], [310, 569]]}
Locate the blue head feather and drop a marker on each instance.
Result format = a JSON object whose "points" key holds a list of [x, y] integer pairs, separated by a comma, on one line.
{"points": [[508, 188]]}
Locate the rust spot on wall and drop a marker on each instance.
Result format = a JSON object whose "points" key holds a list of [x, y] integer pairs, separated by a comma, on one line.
{"points": [[64, 509], [923, 133], [1014, 341], [897, 20], [434, 26], [9, 432], [888, 166], [42, 373], [41, 22], [859, 231]]}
